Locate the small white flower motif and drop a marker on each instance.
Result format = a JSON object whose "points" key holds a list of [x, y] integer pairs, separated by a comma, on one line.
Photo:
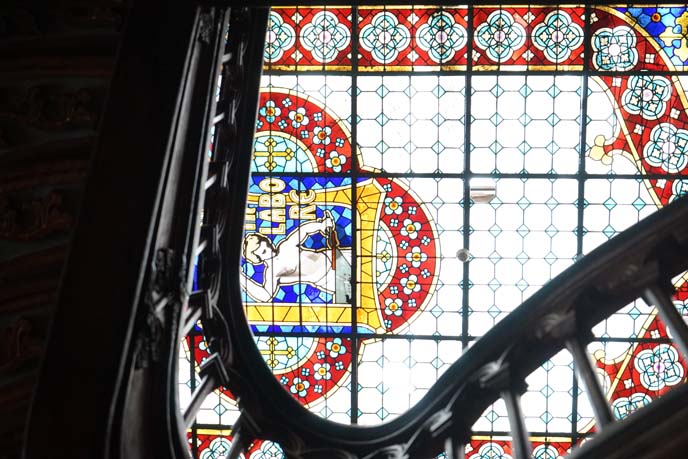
{"points": [[388, 323], [299, 387], [305, 371], [287, 102], [317, 389], [393, 222], [404, 268], [659, 367], [425, 273], [270, 111], [284, 380], [335, 347], [410, 228], [320, 355], [339, 142], [411, 303], [259, 124], [335, 161], [298, 117], [321, 135], [393, 205], [412, 210], [322, 371], [404, 244], [317, 116], [416, 257], [410, 284], [338, 365], [425, 240], [320, 152], [304, 134], [387, 187], [393, 306], [282, 124], [393, 290]]}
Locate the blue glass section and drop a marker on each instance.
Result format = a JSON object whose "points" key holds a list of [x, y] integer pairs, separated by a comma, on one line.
{"points": [[658, 21]]}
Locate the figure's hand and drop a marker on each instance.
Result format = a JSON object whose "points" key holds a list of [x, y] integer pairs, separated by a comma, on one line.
{"points": [[328, 221]]}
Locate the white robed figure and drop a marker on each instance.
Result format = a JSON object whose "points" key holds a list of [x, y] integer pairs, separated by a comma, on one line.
{"points": [[289, 262]]}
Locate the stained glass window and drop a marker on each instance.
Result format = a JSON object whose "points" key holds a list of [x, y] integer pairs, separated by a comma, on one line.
{"points": [[418, 172]]}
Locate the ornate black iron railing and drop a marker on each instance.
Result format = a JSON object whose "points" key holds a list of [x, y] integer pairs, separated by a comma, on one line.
{"points": [[637, 264], [192, 210]]}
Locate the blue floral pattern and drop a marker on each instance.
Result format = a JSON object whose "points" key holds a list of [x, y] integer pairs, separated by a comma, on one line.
{"points": [[490, 451], [500, 36], [384, 37], [646, 96], [678, 189], [325, 37], [279, 38], [614, 49], [667, 148], [623, 406], [546, 452], [659, 367], [268, 450], [557, 36], [441, 37], [217, 449]]}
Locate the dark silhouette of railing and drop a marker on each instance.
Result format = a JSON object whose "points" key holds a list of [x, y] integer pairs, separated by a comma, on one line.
{"points": [[193, 209]]}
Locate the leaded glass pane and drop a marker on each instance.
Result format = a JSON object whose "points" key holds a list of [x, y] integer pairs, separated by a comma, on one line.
{"points": [[430, 168]]}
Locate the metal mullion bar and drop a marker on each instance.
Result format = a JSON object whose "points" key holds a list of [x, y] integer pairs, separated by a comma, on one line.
{"points": [[633, 340], [465, 298], [498, 175], [504, 433], [581, 193], [491, 72], [362, 336], [354, 221], [286, 3]]}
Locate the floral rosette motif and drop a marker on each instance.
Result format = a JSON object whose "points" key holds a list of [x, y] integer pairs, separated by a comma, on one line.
{"points": [[441, 37], [500, 36], [297, 134], [614, 48], [384, 37], [651, 370], [649, 109], [406, 289], [325, 37], [279, 39], [558, 36]]}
